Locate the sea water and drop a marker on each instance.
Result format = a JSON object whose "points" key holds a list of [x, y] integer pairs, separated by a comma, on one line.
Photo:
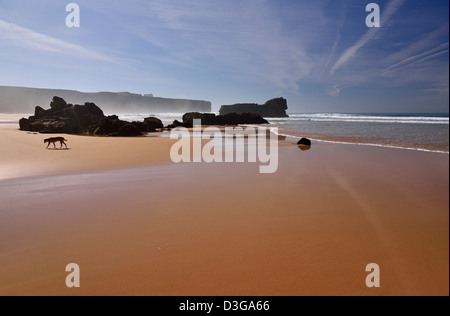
{"points": [[423, 131], [418, 131], [426, 132]]}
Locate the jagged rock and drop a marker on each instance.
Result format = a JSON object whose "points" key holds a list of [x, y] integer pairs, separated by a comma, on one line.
{"points": [[304, 142], [142, 127], [153, 123], [113, 126], [39, 112], [108, 126], [243, 118], [176, 124], [58, 104], [206, 118], [49, 125], [212, 119], [129, 130], [81, 119], [63, 118], [272, 108]]}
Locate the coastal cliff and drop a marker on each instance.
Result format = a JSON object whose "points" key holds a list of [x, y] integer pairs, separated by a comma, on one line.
{"points": [[24, 100], [272, 108]]}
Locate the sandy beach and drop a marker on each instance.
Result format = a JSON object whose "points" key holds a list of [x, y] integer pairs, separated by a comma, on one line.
{"points": [[24, 153], [138, 224]]}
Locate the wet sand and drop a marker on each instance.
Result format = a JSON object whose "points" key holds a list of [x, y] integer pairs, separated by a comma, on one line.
{"points": [[151, 227]]}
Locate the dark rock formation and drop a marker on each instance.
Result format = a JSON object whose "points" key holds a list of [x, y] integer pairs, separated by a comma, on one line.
{"points": [[273, 108], [212, 119], [142, 127], [63, 118], [84, 119], [129, 130], [304, 142], [176, 124], [153, 123], [58, 104], [109, 126], [207, 118], [113, 126], [48, 125]]}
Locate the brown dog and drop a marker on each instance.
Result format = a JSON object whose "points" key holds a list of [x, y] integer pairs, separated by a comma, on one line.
{"points": [[54, 140]]}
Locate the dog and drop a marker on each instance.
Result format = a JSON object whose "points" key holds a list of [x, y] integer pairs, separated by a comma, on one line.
{"points": [[54, 140]]}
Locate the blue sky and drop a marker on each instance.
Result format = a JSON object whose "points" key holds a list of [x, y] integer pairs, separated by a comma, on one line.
{"points": [[319, 54]]}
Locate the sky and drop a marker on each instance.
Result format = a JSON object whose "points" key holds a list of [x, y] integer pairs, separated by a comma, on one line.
{"points": [[320, 55]]}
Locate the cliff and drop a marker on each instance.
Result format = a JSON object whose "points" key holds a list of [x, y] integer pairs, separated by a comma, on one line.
{"points": [[273, 108], [24, 100]]}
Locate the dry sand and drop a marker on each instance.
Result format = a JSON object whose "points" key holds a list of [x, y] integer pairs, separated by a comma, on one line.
{"points": [[221, 229], [24, 154]]}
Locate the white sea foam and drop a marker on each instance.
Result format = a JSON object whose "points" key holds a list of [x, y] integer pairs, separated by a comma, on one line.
{"points": [[360, 142], [367, 118]]}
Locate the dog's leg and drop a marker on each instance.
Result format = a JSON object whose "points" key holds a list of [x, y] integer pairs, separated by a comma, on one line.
{"points": [[48, 145]]}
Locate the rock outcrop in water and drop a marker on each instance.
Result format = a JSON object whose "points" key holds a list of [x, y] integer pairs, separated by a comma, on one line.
{"points": [[272, 108], [304, 142], [212, 119], [84, 119]]}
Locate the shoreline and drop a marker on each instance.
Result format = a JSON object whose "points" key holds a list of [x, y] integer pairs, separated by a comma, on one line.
{"points": [[159, 142], [331, 141], [361, 141], [371, 145]]}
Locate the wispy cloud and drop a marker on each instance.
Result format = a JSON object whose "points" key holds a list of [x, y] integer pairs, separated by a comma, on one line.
{"points": [[419, 57], [236, 39], [420, 61], [427, 55], [339, 26], [390, 10], [29, 39]]}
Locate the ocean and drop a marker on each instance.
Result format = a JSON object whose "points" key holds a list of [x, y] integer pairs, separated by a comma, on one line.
{"points": [[418, 131], [425, 132]]}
